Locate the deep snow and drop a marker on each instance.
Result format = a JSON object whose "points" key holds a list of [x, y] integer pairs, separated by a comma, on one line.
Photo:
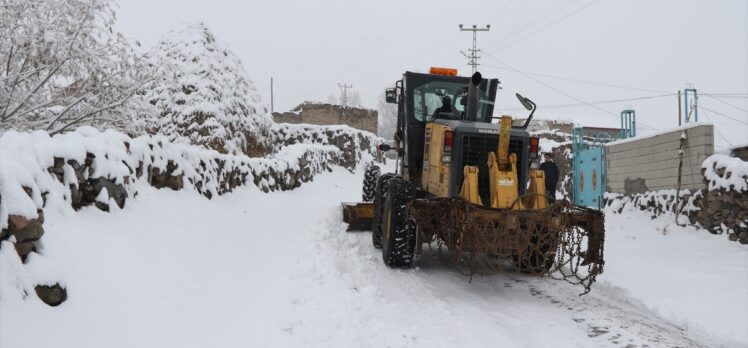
{"points": [[252, 269]]}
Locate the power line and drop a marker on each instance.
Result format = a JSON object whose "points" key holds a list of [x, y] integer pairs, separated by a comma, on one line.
{"points": [[721, 114], [435, 42], [562, 92], [726, 103], [727, 94], [551, 24], [561, 106], [505, 12], [533, 20], [715, 127], [581, 81]]}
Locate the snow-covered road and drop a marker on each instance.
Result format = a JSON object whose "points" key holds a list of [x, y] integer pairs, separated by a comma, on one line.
{"points": [[252, 269]]}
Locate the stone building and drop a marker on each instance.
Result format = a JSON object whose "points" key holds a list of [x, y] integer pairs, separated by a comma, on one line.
{"points": [[327, 114]]}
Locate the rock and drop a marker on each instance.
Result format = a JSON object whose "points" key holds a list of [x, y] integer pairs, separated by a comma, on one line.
{"points": [[76, 196], [17, 222], [52, 295], [743, 238], [115, 191], [175, 182], [32, 231], [24, 249], [101, 206]]}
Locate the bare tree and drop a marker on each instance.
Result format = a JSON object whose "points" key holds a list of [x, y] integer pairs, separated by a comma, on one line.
{"points": [[354, 99], [387, 121], [63, 66]]}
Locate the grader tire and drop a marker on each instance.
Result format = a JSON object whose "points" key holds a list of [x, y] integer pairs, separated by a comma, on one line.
{"points": [[370, 182], [380, 193], [398, 235]]}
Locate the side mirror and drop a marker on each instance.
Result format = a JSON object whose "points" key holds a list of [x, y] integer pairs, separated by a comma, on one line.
{"points": [[530, 106], [390, 95], [527, 103]]}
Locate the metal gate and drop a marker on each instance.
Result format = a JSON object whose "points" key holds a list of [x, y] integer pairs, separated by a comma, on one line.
{"points": [[588, 171], [588, 166]]}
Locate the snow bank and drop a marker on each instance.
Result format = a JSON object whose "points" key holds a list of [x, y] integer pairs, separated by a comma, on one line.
{"points": [[684, 275], [724, 172]]}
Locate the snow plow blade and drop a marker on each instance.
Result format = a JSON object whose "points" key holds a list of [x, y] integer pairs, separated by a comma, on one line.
{"points": [[358, 216]]}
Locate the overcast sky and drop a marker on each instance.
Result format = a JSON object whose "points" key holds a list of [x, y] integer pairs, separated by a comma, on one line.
{"points": [[570, 51]]}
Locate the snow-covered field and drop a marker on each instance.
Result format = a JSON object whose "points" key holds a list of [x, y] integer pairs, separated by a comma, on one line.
{"points": [[173, 269]]}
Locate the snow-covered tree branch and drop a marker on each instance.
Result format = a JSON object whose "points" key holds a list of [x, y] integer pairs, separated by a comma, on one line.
{"points": [[63, 65], [202, 95]]}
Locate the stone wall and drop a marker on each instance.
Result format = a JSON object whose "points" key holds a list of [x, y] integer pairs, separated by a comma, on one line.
{"points": [[650, 163], [541, 125], [326, 114]]}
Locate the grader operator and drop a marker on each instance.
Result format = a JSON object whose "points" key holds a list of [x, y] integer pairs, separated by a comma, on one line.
{"points": [[473, 186]]}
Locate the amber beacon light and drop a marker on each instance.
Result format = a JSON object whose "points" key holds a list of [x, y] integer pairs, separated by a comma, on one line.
{"points": [[443, 71]]}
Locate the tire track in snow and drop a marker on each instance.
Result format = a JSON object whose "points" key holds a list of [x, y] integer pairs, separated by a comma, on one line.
{"points": [[617, 322], [380, 306]]}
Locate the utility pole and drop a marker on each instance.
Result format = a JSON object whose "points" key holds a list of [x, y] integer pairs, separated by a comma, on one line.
{"points": [[680, 113], [344, 93], [271, 95], [473, 56]]}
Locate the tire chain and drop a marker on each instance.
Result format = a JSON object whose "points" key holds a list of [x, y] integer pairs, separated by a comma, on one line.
{"points": [[571, 237], [370, 183]]}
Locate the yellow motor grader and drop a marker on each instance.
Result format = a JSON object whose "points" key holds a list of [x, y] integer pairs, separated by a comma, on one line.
{"points": [[473, 186]]}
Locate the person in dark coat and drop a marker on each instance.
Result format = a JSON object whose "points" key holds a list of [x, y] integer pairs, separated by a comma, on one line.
{"points": [[550, 170], [445, 111]]}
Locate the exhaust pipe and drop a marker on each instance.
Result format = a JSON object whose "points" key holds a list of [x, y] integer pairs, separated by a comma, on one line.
{"points": [[471, 110]]}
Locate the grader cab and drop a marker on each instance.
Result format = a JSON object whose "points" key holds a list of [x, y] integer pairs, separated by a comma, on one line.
{"points": [[473, 186]]}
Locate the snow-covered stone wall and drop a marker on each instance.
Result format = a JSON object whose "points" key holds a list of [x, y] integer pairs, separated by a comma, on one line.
{"points": [[724, 208], [720, 207], [104, 169], [355, 145]]}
